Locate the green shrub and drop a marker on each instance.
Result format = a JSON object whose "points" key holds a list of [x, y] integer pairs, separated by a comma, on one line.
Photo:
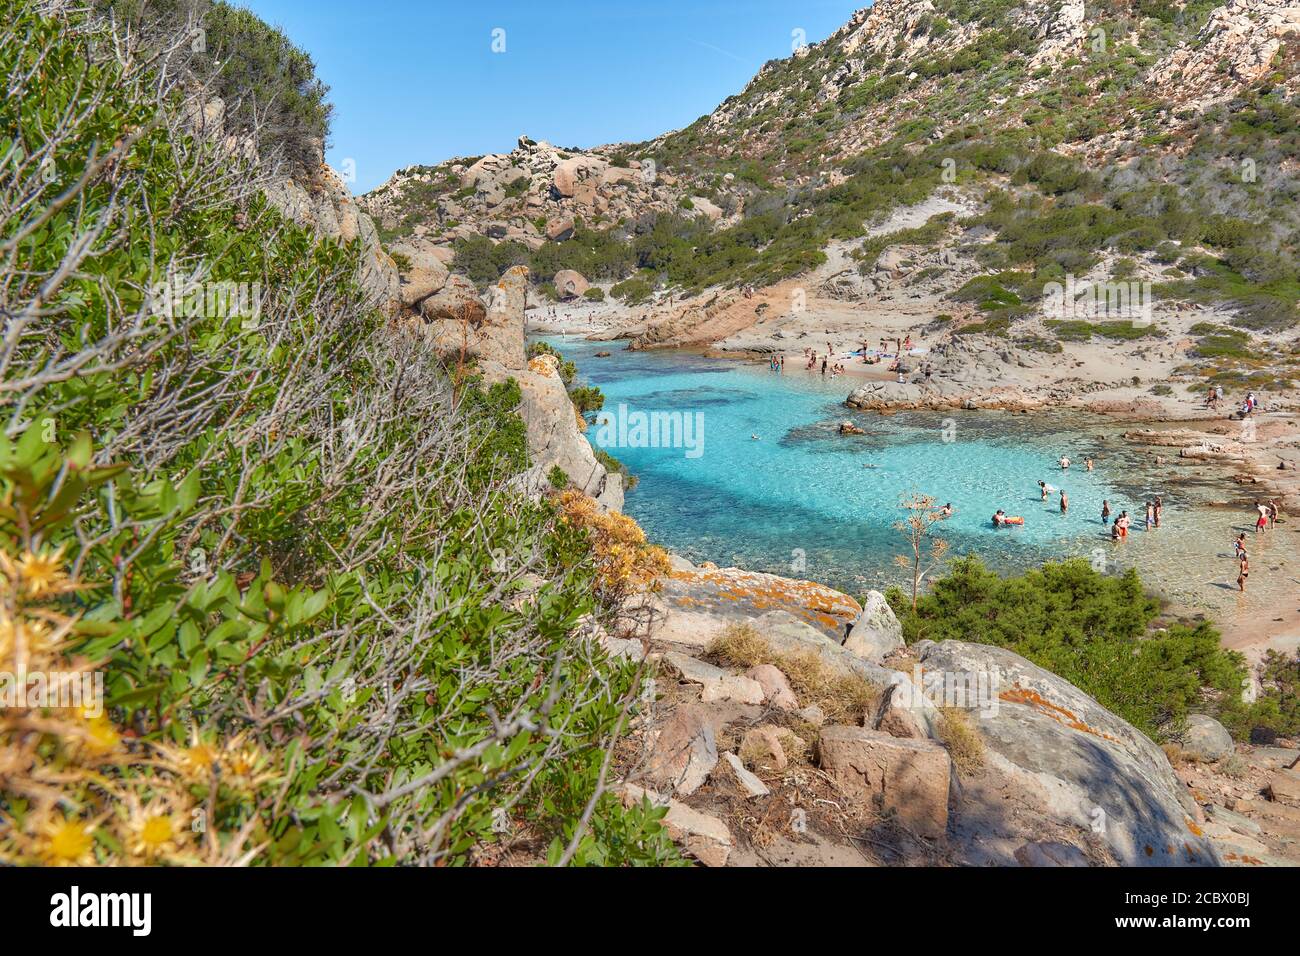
{"points": [[1092, 629]]}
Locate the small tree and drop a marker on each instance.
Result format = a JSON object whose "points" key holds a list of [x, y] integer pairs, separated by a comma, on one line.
{"points": [[917, 528]]}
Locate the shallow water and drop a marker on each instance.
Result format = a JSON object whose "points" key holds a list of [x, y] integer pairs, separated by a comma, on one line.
{"points": [[800, 500]]}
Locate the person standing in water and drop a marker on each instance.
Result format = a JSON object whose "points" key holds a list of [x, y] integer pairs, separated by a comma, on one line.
{"points": [[1159, 506], [1151, 516], [1065, 502], [1239, 545], [1243, 570], [1105, 511]]}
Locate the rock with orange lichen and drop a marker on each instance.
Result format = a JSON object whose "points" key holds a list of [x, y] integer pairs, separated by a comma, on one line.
{"points": [[742, 595], [1078, 764]]}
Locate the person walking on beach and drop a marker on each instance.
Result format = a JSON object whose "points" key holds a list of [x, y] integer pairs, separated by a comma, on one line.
{"points": [[1065, 502], [1243, 570], [1105, 512]]}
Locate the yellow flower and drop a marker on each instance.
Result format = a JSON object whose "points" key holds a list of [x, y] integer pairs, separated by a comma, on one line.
{"points": [[159, 830], [99, 735], [42, 574], [195, 762], [64, 842], [245, 765]]}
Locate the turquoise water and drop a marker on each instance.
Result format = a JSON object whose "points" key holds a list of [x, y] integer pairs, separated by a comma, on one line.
{"points": [[799, 499], [799, 502]]}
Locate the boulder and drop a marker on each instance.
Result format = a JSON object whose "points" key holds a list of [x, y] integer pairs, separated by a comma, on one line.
{"points": [[456, 303], [776, 686], [1284, 787], [735, 594], [1077, 763], [761, 747], [570, 284], [684, 751], [425, 274], [876, 632], [558, 230], [895, 717], [503, 326], [705, 208], [749, 784], [456, 319], [701, 835], [578, 178], [903, 777], [719, 685], [1205, 738]]}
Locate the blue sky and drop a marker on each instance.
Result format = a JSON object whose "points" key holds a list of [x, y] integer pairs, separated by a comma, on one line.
{"points": [[418, 82]]}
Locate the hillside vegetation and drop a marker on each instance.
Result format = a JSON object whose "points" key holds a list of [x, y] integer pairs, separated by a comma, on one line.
{"points": [[331, 631]]}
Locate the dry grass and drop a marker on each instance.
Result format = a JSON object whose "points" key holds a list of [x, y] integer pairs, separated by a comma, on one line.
{"points": [[843, 697], [964, 743], [1177, 756]]}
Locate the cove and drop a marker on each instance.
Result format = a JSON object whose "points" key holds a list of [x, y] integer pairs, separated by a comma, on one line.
{"points": [[802, 500]]}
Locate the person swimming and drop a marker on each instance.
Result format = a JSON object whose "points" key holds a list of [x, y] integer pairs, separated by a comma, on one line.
{"points": [[1046, 489], [946, 511]]}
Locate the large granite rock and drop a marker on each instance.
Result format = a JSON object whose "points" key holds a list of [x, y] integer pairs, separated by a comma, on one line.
{"points": [[876, 632], [1205, 738], [905, 778], [570, 284], [425, 272], [1071, 759]]}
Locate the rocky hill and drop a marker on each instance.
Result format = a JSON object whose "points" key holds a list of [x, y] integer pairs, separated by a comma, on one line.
{"points": [[1143, 107]]}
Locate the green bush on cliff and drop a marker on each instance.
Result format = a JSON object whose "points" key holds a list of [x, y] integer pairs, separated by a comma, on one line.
{"points": [[1094, 630], [268, 83], [302, 565]]}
